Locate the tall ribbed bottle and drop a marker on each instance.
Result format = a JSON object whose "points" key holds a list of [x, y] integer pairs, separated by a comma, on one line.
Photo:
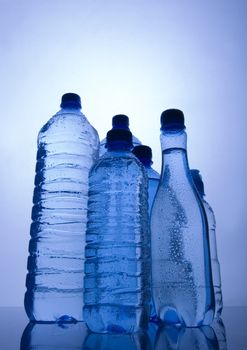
{"points": [[119, 121], [117, 254], [67, 148], [181, 270], [144, 154], [212, 243]]}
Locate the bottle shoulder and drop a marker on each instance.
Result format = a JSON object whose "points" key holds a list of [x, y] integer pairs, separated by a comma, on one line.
{"points": [[179, 195], [135, 141], [152, 174], [116, 161], [67, 124], [209, 211]]}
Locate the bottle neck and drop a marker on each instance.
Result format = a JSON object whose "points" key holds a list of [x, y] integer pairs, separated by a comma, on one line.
{"points": [[174, 153], [118, 146], [69, 109], [173, 140], [146, 162]]}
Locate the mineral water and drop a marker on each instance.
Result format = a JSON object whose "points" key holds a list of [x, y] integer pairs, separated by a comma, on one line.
{"points": [[215, 265], [144, 154], [181, 270], [67, 148], [117, 254]]}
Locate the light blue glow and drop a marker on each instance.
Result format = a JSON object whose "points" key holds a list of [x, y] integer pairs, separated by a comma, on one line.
{"points": [[138, 58]]}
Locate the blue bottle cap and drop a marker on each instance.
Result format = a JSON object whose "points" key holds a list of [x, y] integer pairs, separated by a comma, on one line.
{"points": [[120, 121], [119, 139], [197, 179], [70, 100], [172, 119], [143, 153]]}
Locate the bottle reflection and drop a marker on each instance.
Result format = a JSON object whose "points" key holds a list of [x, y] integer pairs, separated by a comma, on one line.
{"points": [[136, 341], [54, 336], [180, 338], [220, 332]]}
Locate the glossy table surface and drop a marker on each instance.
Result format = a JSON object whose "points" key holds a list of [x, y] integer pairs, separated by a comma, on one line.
{"points": [[231, 335]]}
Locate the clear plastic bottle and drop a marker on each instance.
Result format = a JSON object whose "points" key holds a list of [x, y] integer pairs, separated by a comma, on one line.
{"points": [[212, 243], [67, 148], [51, 336], [144, 154], [119, 121], [117, 253], [181, 270]]}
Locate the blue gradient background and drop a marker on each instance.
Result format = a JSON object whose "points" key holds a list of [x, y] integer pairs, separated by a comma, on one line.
{"points": [[138, 58]]}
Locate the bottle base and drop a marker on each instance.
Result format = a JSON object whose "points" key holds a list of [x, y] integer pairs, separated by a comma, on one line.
{"points": [[112, 319], [54, 307], [170, 316]]}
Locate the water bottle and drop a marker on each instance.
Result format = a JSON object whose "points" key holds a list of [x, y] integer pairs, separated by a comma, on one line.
{"points": [[144, 154], [181, 270], [212, 243], [117, 253], [119, 121], [49, 336], [67, 147]]}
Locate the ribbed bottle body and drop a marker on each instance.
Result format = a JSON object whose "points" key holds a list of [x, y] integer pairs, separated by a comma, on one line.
{"points": [[117, 254], [215, 265], [67, 148], [181, 271]]}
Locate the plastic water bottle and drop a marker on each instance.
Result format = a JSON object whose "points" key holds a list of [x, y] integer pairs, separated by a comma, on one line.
{"points": [[212, 243], [181, 270], [67, 147], [49, 336], [117, 253], [119, 121], [144, 154]]}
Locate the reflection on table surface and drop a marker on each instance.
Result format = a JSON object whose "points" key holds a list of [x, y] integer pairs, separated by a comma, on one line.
{"points": [[206, 338], [75, 336], [16, 333]]}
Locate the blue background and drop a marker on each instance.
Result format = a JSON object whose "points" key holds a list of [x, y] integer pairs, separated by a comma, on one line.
{"points": [[134, 57]]}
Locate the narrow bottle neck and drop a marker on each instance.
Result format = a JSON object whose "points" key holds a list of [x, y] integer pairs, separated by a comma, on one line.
{"points": [[173, 140], [174, 153], [118, 146], [70, 110], [146, 162]]}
